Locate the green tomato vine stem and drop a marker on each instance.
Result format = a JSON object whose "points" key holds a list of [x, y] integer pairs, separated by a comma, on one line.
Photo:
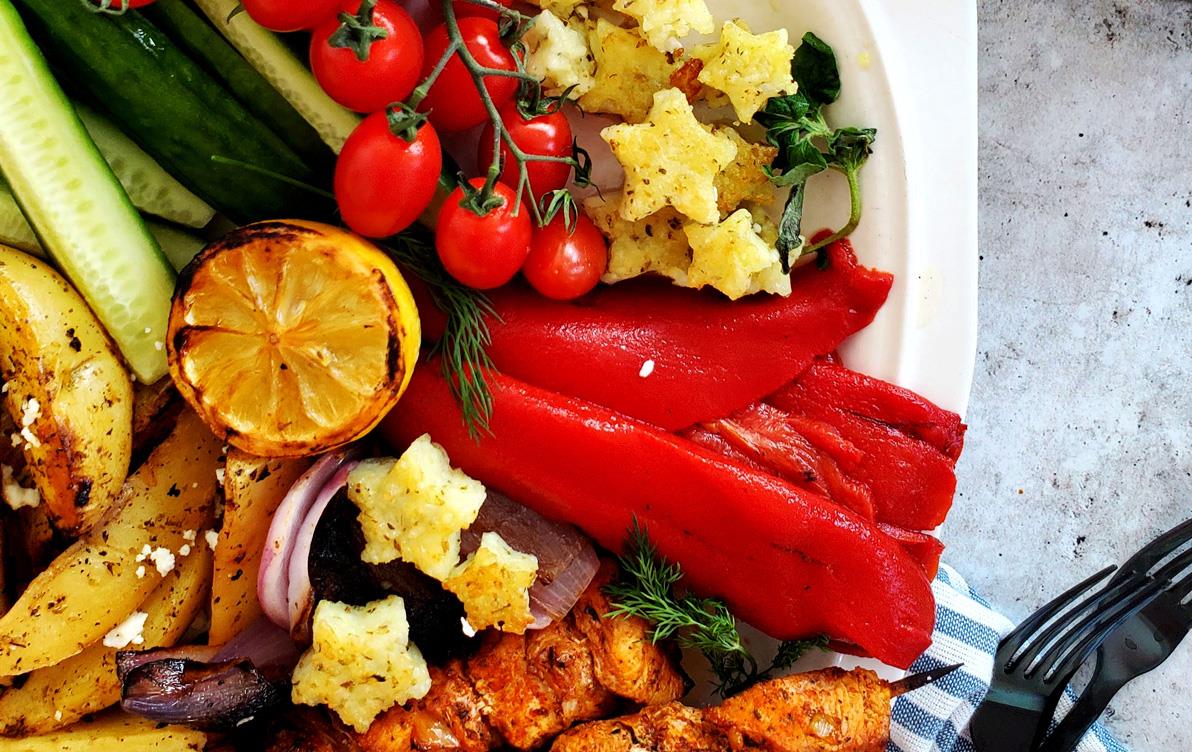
{"points": [[483, 202]]}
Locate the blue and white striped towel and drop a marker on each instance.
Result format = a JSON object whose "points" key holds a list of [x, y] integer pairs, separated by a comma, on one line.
{"points": [[935, 718]]}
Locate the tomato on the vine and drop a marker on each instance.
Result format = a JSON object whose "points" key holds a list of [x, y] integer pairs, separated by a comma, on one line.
{"points": [[454, 101], [464, 8], [382, 181], [371, 62], [483, 251], [565, 264], [547, 135], [287, 15]]}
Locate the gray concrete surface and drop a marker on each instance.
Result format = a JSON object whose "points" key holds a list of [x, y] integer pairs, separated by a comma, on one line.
{"points": [[1080, 443]]}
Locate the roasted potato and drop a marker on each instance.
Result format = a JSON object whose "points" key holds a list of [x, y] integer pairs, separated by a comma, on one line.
{"points": [[66, 389], [94, 585], [59, 695], [253, 489], [113, 732]]}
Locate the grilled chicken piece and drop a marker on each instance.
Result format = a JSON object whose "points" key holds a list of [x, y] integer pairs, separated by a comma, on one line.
{"points": [[823, 711], [521, 691]]}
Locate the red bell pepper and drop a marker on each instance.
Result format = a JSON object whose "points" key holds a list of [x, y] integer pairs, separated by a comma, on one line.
{"points": [[910, 482], [926, 549], [790, 562], [707, 357], [830, 383]]}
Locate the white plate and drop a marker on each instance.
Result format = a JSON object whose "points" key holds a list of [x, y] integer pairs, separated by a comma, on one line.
{"points": [[908, 68]]}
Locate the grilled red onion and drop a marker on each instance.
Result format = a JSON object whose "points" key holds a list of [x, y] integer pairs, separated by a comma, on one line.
{"points": [[263, 643], [566, 560], [206, 695], [128, 661], [299, 594], [273, 577]]}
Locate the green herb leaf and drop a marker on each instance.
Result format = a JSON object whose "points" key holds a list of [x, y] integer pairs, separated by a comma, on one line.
{"points": [[464, 344], [807, 145], [647, 590], [814, 68]]}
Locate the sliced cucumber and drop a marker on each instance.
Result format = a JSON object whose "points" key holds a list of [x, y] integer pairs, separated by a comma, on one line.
{"points": [[178, 245], [77, 206], [14, 228], [281, 68], [191, 31], [151, 188]]}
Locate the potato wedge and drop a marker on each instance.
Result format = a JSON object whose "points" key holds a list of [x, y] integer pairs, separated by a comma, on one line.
{"points": [[93, 585], [253, 488], [59, 695], [112, 732], [67, 391]]}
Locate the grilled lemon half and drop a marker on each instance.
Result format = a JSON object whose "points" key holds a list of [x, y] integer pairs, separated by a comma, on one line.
{"points": [[290, 338]]}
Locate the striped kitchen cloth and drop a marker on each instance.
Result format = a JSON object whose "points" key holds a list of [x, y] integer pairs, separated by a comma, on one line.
{"points": [[935, 718]]}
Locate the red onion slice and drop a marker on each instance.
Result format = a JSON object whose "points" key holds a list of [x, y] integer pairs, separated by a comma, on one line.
{"points": [[263, 643], [551, 601], [566, 560], [206, 695], [299, 594], [273, 577]]}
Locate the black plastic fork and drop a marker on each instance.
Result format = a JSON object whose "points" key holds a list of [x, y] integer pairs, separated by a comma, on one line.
{"points": [[1035, 662], [1138, 646]]}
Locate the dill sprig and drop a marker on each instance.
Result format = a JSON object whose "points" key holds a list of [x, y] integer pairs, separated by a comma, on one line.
{"points": [[647, 590], [466, 337]]}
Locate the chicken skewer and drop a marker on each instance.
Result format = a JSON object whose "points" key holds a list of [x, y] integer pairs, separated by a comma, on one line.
{"points": [[831, 710], [521, 691]]}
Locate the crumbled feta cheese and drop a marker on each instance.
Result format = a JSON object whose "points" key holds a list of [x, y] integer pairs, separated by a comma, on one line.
{"points": [[361, 661], [15, 438], [148, 330], [494, 583], [163, 559], [141, 572], [647, 369], [469, 630], [185, 550], [159, 345], [58, 716], [4, 389], [219, 475], [30, 411], [212, 538], [128, 632], [189, 535], [414, 508], [16, 495], [29, 438]]}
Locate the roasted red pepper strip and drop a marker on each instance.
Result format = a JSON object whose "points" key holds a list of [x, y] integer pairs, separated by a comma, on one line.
{"points": [[675, 357], [866, 397], [927, 549], [910, 481], [790, 562]]}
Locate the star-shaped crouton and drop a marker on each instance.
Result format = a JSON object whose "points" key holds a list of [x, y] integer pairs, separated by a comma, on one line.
{"points": [[749, 68], [654, 245], [670, 159], [733, 258]]}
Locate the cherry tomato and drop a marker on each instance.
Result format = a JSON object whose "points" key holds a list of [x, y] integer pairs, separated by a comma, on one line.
{"points": [[287, 15], [483, 252], [546, 135], [391, 71], [564, 265], [118, 5], [464, 8], [382, 181], [454, 101]]}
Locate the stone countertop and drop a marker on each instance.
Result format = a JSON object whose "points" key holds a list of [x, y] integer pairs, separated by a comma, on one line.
{"points": [[1080, 439]]}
